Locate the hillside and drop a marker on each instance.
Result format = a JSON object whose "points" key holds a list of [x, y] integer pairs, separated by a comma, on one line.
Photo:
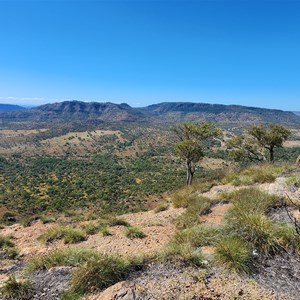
{"points": [[162, 113], [10, 107], [75, 110], [183, 249], [222, 114]]}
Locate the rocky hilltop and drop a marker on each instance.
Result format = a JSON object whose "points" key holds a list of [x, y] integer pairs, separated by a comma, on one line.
{"points": [[162, 113]]}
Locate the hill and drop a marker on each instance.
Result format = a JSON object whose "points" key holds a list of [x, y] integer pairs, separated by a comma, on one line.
{"points": [[162, 113], [75, 110], [183, 249], [10, 107], [222, 114]]}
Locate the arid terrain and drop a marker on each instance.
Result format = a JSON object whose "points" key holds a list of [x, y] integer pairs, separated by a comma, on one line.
{"points": [[159, 280]]}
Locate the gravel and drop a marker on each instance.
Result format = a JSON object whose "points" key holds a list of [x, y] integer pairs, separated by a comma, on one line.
{"points": [[50, 284], [281, 274]]}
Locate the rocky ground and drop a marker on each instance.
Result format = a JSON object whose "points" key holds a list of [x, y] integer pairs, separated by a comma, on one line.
{"points": [[274, 278]]}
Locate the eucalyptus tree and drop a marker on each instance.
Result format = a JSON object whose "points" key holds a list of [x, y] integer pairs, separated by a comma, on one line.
{"points": [[194, 140]]}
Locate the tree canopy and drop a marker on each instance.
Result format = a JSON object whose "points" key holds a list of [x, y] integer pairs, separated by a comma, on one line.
{"points": [[193, 140], [258, 141]]}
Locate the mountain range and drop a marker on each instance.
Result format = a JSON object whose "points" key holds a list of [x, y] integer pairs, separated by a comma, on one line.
{"points": [[162, 113], [10, 107]]}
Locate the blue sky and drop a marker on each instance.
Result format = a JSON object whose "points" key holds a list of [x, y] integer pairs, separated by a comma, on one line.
{"points": [[144, 52]]}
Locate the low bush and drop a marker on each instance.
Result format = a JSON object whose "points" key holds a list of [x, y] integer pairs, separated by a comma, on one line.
{"points": [[252, 200], [104, 230], [234, 253], [27, 221], [255, 174], [247, 219], [162, 207], [256, 229], [5, 241], [73, 236], [184, 253], [63, 257], [8, 247], [287, 237], [183, 197], [11, 252], [95, 271], [100, 273], [91, 228], [46, 219], [13, 289], [198, 236], [197, 206], [134, 232], [69, 234], [293, 180], [114, 221], [8, 218], [71, 295]]}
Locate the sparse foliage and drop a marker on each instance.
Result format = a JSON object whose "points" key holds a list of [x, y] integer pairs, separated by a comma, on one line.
{"points": [[257, 141], [193, 141]]}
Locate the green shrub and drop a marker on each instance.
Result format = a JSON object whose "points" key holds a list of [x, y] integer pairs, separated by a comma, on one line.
{"points": [[293, 180], [162, 207], [73, 236], [8, 218], [254, 174], [91, 228], [70, 213], [8, 247], [134, 232], [197, 206], [104, 230], [100, 273], [11, 252], [252, 200], [185, 253], [54, 233], [237, 179], [27, 221], [183, 197], [234, 253], [63, 257], [114, 221], [13, 289], [5, 241], [287, 238], [46, 219], [71, 295], [198, 236], [247, 220], [69, 234]]}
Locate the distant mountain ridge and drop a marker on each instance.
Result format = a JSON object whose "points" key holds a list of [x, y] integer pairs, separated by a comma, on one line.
{"points": [[10, 107], [75, 111], [161, 113], [219, 113]]}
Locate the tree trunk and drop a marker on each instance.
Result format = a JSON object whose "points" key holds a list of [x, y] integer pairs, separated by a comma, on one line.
{"points": [[189, 173], [271, 154]]}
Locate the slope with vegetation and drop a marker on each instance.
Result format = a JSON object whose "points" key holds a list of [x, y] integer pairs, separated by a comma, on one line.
{"points": [[167, 112], [220, 227], [103, 211]]}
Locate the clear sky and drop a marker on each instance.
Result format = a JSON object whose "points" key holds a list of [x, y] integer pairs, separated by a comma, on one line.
{"points": [[143, 52]]}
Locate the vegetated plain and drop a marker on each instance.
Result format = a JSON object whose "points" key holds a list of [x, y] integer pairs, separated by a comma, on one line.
{"points": [[64, 185]]}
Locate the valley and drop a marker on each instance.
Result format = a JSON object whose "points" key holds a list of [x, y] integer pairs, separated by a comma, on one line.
{"points": [[85, 185]]}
